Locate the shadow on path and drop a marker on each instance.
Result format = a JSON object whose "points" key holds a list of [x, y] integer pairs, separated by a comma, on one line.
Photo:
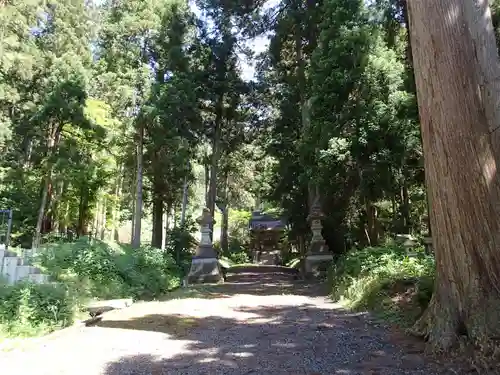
{"points": [[264, 324]]}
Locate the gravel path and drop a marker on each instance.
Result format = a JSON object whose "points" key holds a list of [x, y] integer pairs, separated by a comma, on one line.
{"points": [[261, 325]]}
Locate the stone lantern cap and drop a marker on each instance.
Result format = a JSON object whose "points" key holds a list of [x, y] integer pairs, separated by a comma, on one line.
{"points": [[205, 218]]}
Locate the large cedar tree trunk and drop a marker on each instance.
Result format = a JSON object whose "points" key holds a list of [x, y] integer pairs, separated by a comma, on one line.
{"points": [[461, 172]]}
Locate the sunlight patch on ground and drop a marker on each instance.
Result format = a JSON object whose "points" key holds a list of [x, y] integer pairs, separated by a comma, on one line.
{"points": [[241, 354]]}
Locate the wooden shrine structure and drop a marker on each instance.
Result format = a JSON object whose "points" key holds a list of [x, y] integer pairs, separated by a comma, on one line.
{"points": [[266, 236]]}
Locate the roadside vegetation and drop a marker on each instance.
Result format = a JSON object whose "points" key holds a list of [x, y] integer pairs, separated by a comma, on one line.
{"points": [[386, 281], [83, 271]]}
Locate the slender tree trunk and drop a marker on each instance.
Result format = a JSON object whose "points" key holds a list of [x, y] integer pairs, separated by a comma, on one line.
{"points": [[136, 240], [157, 232], [303, 102], [102, 234], [371, 221], [164, 231], [50, 214], [52, 141], [116, 204], [133, 213], [224, 236], [95, 232], [64, 219], [167, 221], [405, 208], [207, 180], [41, 212], [28, 154], [212, 194], [82, 228], [57, 206], [184, 201], [394, 211], [367, 235], [461, 163]]}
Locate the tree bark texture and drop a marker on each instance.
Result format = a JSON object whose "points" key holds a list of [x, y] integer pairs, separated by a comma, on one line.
{"points": [[157, 232], [136, 239], [486, 55], [54, 134], [224, 234], [185, 191], [461, 163], [158, 204], [116, 205], [214, 165]]}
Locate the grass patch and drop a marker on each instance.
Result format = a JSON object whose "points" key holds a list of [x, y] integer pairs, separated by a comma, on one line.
{"points": [[28, 309], [386, 281]]}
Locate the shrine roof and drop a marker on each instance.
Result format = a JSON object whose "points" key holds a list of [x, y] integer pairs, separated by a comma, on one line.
{"points": [[263, 221]]}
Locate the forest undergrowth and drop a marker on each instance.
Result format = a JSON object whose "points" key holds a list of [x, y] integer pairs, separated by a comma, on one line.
{"points": [[397, 290], [83, 271], [386, 281]]}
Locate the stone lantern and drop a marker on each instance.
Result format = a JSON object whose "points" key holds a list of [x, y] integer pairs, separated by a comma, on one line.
{"points": [[205, 265], [318, 258]]}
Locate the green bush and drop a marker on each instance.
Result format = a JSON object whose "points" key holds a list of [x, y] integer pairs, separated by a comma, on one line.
{"points": [[238, 228], [28, 308], [236, 252], [181, 244], [148, 272], [240, 257], [385, 280], [105, 270], [84, 270]]}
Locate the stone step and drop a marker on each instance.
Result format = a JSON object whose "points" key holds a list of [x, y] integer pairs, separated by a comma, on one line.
{"points": [[6, 254], [39, 278], [9, 268], [22, 272], [14, 268], [28, 255]]}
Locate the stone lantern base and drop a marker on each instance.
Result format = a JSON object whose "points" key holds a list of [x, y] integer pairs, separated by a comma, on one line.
{"points": [[317, 265], [204, 270]]}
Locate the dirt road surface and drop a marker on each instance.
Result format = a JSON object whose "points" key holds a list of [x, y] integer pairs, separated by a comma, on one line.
{"points": [[258, 324]]}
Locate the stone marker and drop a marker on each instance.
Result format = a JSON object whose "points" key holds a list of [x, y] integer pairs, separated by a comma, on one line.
{"points": [[205, 265], [408, 242], [318, 258]]}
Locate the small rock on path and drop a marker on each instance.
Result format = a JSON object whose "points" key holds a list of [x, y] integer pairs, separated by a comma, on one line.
{"points": [[261, 325]]}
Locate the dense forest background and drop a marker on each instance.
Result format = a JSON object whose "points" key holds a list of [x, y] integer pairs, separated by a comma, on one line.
{"points": [[111, 110], [121, 119]]}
